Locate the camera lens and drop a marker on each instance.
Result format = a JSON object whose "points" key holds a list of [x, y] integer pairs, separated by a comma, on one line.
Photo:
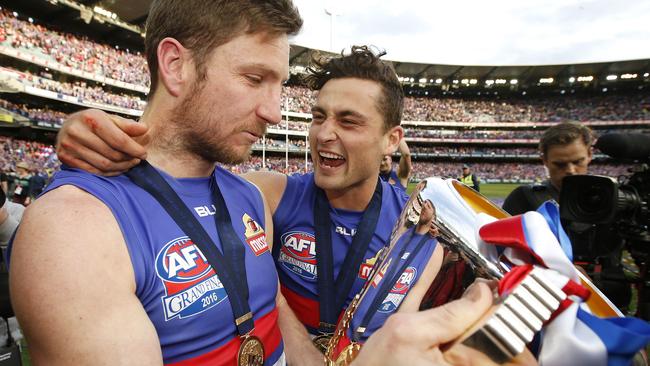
{"points": [[588, 199], [592, 200]]}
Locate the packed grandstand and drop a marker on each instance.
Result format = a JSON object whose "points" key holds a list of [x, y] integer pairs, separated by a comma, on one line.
{"points": [[48, 72]]}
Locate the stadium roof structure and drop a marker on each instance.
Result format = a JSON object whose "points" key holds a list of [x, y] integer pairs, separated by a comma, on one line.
{"points": [[452, 78], [526, 73]]}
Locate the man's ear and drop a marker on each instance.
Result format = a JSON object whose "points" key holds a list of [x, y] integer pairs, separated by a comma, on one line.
{"points": [[544, 159], [173, 62], [394, 136]]}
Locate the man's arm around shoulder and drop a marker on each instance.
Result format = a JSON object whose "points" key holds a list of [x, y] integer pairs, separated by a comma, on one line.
{"points": [[405, 166], [73, 287], [271, 184]]}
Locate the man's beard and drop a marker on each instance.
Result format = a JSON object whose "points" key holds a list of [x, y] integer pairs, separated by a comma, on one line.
{"points": [[197, 134]]}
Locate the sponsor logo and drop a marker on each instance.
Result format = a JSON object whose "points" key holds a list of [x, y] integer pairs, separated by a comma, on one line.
{"points": [[191, 285], [344, 231], [204, 211], [366, 268], [255, 236], [399, 291], [298, 254], [376, 279]]}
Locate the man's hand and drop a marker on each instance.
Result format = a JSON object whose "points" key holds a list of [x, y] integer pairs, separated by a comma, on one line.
{"points": [[100, 143], [297, 343], [417, 338], [405, 166]]}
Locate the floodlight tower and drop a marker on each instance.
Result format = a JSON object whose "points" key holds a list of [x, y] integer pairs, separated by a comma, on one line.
{"points": [[332, 14]]}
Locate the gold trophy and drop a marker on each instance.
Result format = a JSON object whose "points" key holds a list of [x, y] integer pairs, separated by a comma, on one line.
{"points": [[442, 216]]}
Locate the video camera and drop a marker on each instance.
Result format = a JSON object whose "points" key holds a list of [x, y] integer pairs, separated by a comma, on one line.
{"points": [[623, 202], [618, 206]]}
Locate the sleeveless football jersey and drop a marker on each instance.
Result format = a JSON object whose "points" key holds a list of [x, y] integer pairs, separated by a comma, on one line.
{"points": [[184, 298], [392, 177], [295, 244], [412, 253]]}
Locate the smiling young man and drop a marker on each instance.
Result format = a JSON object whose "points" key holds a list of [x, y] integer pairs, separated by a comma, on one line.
{"points": [[330, 224]]}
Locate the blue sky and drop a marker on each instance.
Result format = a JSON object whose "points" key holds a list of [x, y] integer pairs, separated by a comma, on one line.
{"points": [[483, 32]]}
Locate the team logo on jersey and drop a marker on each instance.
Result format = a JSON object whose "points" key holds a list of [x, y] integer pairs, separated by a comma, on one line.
{"points": [[298, 254], [376, 279], [399, 291], [366, 268], [255, 236], [191, 285]]}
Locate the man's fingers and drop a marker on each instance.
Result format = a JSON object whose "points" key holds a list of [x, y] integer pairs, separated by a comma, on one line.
{"points": [[111, 133], [445, 323], [98, 163], [129, 126], [93, 142]]}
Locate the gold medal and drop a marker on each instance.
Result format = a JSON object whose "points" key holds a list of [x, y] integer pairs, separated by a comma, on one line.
{"points": [[322, 342], [251, 352]]}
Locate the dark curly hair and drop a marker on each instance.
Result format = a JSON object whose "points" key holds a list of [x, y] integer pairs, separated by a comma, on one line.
{"points": [[363, 63]]}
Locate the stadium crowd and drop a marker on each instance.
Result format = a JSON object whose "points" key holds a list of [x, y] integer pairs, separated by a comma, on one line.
{"points": [[41, 158], [473, 150], [549, 109], [37, 155], [81, 90], [112, 62], [81, 53], [74, 51], [55, 118], [503, 172]]}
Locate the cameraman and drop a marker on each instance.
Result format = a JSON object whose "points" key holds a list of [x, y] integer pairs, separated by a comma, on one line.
{"points": [[566, 149]]}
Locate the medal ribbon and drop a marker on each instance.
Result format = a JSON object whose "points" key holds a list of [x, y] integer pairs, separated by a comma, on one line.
{"points": [[231, 270], [390, 278], [332, 293]]}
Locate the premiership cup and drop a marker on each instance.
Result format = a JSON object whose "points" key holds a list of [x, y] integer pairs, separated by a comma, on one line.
{"points": [[441, 218]]}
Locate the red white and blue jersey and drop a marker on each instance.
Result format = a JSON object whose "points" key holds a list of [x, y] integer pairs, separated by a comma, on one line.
{"points": [[295, 242], [184, 298], [413, 255]]}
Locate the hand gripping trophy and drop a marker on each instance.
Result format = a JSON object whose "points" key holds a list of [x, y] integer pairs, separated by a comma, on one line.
{"points": [[535, 284]]}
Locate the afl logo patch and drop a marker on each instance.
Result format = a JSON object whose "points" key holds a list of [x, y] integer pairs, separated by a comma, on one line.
{"points": [[298, 254], [191, 285], [399, 291], [404, 281]]}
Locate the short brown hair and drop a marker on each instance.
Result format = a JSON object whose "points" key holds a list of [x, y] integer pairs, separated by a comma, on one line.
{"points": [[203, 25], [563, 134], [362, 63]]}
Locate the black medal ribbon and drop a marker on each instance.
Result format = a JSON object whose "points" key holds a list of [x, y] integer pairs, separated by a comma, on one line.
{"points": [[231, 268], [388, 282], [332, 293]]}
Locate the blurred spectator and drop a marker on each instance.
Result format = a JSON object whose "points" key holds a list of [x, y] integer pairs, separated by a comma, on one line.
{"points": [[469, 178], [19, 184]]}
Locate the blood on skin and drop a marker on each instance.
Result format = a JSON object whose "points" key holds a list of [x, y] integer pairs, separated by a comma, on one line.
{"points": [[91, 122]]}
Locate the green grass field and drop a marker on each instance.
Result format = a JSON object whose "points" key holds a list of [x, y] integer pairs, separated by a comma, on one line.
{"points": [[496, 192]]}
